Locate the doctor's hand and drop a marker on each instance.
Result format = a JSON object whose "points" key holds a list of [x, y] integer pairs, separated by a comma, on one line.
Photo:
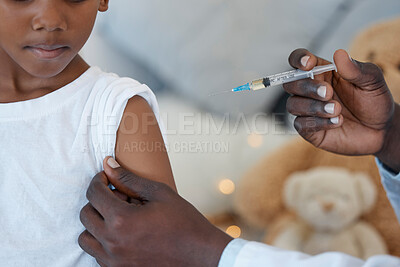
{"points": [[145, 223], [349, 112]]}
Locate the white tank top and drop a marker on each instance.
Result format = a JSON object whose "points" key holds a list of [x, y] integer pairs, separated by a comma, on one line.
{"points": [[51, 147]]}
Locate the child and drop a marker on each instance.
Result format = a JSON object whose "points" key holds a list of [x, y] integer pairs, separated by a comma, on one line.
{"points": [[59, 118]]}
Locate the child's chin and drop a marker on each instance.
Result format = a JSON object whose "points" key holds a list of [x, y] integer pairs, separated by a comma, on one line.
{"points": [[46, 70]]}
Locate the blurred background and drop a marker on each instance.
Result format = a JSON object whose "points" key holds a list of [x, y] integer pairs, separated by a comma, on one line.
{"points": [[186, 50]]}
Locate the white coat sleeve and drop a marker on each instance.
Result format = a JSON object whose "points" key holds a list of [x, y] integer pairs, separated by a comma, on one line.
{"points": [[241, 253]]}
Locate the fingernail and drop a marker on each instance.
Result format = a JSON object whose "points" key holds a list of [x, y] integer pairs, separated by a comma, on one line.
{"points": [[330, 108], [304, 60], [335, 120], [112, 163], [321, 91]]}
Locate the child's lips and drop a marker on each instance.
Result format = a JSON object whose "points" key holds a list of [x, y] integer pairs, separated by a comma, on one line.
{"points": [[47, 52]]}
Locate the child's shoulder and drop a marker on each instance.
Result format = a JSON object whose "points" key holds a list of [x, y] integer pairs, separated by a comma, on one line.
{"points": [[109, 90], [110, 79], [108, 102]]}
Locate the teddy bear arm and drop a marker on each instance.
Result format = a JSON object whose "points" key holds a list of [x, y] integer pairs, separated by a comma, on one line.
{"points": [[370, 241], [291, 237]]}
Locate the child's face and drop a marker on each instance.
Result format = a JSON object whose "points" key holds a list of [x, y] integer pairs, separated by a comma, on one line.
{"points": [[44, 36]]}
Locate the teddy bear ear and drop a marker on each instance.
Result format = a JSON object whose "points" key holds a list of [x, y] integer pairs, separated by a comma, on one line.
{"points": [[367, 191], [291, 189]]}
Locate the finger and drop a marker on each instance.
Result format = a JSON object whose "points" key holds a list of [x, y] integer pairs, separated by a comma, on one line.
{"points": [[102, 198], [364, 75], [307, 126], [121, 195], [132, 185], [124, 197], [303, 59], [306, 107], [92, 221], [319, 90], [92, 247]]}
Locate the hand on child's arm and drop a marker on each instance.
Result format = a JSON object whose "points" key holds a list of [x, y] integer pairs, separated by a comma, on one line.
{"points": [[140, 146], [348, 112], [159, 229]]}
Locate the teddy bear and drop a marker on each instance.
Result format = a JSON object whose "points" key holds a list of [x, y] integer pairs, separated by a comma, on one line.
{"points": [[263, 208], [328, 203], [380, 44]]}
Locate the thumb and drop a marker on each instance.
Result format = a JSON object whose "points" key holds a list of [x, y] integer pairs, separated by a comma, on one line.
{"points": [[127, 182], [364, 75]]}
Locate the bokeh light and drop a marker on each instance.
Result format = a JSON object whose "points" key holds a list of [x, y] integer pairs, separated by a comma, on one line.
{"points": [[226, 186], [255, 140], [234, 231]]}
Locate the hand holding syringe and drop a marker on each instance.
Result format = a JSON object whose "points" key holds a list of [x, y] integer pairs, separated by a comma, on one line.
{"points": [[284, 77]]}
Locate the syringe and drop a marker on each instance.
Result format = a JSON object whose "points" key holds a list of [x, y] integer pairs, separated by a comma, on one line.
{"points": [[284, 77]]}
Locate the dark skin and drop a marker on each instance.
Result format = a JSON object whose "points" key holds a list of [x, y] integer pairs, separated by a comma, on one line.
{"points": [[145, 223], [172, 232], [368, 117], [25, 25]]}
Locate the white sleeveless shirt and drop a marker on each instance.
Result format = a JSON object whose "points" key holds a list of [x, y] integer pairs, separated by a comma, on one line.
{"points": [[51, 147]]}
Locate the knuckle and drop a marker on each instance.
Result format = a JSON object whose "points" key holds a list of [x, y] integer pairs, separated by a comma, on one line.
{"points": [[370, 74], [315, 108], [371, 71], [307, 87], [156, 187], [125, 177], [311, 125], [306, 126], [117, 222], [114, 248]]}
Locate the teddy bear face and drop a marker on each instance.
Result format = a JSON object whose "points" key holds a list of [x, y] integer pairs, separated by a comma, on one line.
{"points": [[328, 203], [328, 199], [380, 44]]}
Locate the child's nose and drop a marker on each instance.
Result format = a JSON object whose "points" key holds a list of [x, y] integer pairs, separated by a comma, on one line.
{"points": [[49, 17]]}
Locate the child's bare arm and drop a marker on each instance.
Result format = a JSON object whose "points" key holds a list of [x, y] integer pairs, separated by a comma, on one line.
{"points": [[140, 147]]}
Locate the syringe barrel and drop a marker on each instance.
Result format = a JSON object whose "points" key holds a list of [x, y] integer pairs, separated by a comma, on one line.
{"points": [[289, 76]]}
